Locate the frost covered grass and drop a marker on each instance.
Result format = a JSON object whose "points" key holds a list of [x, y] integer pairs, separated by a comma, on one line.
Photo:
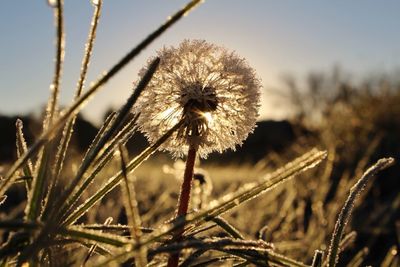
{"points": [[112, 208]]}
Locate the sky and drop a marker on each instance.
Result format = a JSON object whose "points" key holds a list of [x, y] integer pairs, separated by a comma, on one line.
{"points": [[276, 37]]}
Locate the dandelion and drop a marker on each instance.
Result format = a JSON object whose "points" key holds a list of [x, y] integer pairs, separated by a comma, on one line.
{"points": [[212, 93], [212, 90]]}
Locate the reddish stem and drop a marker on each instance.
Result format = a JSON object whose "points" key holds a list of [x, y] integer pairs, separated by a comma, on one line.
{"points": [[184, 199]]}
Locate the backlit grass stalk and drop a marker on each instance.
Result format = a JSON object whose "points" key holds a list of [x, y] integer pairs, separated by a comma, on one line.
{"points": [[131, 209], [104, 127], [207, 244], [94, 246], [36, 195], [115, 180], [120, 139], [21, 149], [214, 260], [345, 213], [317, 259], [94, 236], [68, 129], [358, 259], [52, 105], [291, 169], [61, 206], [115, 126], [228, 228], [79, 103], [58, 209]]}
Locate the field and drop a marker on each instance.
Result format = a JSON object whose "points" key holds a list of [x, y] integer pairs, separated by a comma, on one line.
{"points": [[327, 194]]}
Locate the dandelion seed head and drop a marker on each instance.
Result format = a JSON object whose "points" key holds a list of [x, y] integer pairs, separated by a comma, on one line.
{"points": [[213, 91]]}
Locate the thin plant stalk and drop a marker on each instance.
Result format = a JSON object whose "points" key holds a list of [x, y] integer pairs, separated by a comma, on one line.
{"points": [[21, 149], [36, 195], [68, 129], [121, 138], [131, 208], [114, 181], [52, 105], [79, 103], [184, 199], [119, 120], [270, 181], [345, 213], [59, 207], [94, 246]]}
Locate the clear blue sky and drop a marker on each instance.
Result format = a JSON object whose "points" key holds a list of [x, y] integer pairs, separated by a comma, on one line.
{"points": [[276, 37]]}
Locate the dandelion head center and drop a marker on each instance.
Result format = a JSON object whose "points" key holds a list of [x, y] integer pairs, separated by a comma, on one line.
{"points": [[198, 99]]}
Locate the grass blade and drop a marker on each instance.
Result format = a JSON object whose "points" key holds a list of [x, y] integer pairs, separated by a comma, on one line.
{"points": [[317, 259], [297, 166], [114, 181], [250, 191], [194, 256], [68, 129], [208, 244], [345, 213], [391, 258], [80, 102], [358, 259], [285, 261], [114, 227], [36, 195], [132, 211], [121, 138], [18, 225], [120, 118], [210, 261], [93, 236], [94, 246], [224, 224], [52, 105], [105, 126], [21, 149]]}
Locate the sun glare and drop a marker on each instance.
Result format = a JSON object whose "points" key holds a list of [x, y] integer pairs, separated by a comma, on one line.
{"points": [[208, 116]]}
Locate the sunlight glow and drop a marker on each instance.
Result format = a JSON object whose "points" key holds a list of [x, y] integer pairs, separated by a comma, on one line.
{"points": [[208, 117]]}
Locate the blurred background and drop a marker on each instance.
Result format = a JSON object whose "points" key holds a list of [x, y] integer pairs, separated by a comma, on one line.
{"points": [[331, 78], [278, 38]]}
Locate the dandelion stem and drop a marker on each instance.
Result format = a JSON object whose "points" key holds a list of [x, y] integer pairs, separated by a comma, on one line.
{"points": [[184, 198]]}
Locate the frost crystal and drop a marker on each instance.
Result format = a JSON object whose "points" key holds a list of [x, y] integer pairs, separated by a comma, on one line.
{"points": [[214, 92]]}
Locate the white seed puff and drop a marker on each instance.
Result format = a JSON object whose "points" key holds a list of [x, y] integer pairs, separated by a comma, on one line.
{"points": [[214, 92]]}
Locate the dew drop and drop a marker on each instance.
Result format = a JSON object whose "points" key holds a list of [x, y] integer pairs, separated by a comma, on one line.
{"points": [[3, 199], [394, 252], [227, 197], [213, 203], [52, 3]]}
